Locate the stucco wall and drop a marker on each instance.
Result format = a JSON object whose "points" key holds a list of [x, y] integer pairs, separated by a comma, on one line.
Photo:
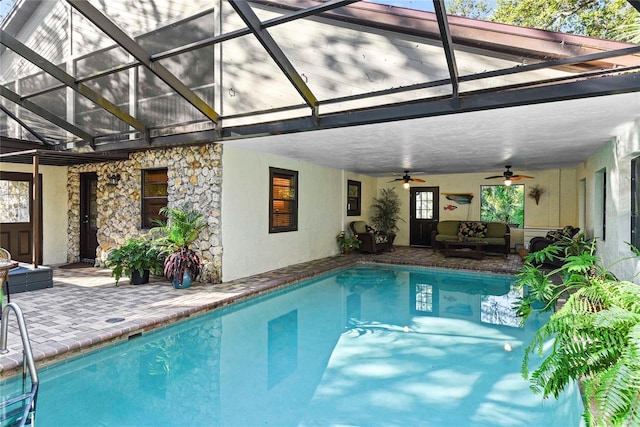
{"points": [[54, 207], [615, 160], [249, 248], [557, 206]]}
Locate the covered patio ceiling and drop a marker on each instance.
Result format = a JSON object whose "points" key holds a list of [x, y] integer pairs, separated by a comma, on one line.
{"points": [[531, 137], [463, 121]]}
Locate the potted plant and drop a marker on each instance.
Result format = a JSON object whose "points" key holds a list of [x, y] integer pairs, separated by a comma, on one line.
{"points": [[386, 213], [596, 334], [347, 242], [137, 258], [182, 264]]}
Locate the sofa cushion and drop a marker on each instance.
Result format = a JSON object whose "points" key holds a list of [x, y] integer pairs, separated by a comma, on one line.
{"points": [[472, 229], [443, 237], [496, 229], [495, 241], [449, 228]]}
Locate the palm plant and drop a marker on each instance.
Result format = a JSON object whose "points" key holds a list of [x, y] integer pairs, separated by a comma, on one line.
{"points": [[386, 211], [184, 224], [630, 32], [596, 339]]}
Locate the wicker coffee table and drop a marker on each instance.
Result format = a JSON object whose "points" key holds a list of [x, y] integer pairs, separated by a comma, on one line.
{"points": [[464, 248]]}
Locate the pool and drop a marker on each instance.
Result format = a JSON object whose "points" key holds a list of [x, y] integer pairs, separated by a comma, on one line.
{"points": [[365, 346]]}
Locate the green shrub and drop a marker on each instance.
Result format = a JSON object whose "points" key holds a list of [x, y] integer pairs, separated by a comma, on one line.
{"points": [[137, 254], [596, 334]]}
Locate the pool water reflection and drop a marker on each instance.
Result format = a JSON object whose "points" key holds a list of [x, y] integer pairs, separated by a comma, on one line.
{"points": [[365, 346]]}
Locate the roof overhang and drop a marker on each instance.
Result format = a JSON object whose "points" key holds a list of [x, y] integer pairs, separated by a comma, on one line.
{"points": [[23, 152]]}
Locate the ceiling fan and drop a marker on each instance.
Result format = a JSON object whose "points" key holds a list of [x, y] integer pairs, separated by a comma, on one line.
{"points": [[509, 176], [406, 179]]}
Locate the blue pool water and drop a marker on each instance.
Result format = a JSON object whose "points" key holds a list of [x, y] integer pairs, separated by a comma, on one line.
{"points": [[369, 346]]}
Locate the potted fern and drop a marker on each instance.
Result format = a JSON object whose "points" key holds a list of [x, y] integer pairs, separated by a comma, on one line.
{"points": [[596, 337], [182, 265]]}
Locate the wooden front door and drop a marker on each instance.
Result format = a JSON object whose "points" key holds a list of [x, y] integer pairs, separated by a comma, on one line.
{"points": [[88, 216], [423, 217], [16, 215]]}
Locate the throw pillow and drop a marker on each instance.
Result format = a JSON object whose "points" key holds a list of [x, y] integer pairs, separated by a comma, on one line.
{"points": [[569, 231], [564, 233], [554, 235], [472, 229]]}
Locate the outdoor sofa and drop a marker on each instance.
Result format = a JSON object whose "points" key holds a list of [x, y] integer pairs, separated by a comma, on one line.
{"points": [[496, 234]]}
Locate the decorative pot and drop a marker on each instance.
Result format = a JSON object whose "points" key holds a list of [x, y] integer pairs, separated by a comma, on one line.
{"points": [[137, 279], [186, 281]]}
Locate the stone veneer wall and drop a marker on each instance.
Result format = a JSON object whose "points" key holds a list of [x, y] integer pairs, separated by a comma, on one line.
{"points": [[195, 177]]}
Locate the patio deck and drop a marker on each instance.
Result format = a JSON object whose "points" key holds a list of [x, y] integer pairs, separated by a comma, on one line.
{"points": [[84, 309]]}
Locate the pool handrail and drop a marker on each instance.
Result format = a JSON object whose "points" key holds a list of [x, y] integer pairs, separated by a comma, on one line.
{"points": [[26, 344], [27, 355]]}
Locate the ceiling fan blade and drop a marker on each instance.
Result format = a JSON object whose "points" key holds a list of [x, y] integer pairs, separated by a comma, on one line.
{"points": [[516, 178], [417, 180], [397, 179], [494, 177], [521, 176]]}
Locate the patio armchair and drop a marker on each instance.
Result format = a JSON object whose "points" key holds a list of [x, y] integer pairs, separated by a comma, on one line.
{"points": [[554, 237], [370, 241]]}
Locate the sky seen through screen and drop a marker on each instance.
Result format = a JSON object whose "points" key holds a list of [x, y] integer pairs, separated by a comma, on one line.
{"points": [[5, 7]]}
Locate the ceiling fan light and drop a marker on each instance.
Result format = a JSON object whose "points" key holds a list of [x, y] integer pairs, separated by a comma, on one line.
{"points": [[406, 185], [507, 182]]}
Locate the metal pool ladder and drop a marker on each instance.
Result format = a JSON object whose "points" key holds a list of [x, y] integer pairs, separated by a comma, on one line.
{"points": [[19, 410]]}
